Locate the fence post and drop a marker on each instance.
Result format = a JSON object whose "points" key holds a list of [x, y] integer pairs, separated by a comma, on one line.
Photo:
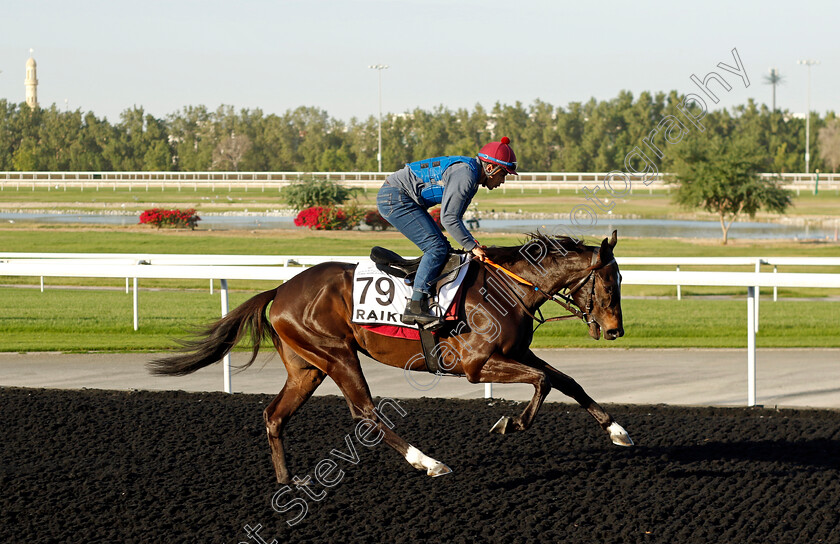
{"points": [[136, 305], [757, 293], [751, 328], [775, 287], [679, 290], [488, 390], [226, 360]]}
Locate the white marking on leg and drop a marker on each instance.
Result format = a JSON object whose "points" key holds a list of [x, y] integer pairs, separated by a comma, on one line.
{"points": [[419, 460], [618, 435]]}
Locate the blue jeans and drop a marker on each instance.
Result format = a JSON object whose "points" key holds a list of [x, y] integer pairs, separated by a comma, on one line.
{"points": [[418, 226]]}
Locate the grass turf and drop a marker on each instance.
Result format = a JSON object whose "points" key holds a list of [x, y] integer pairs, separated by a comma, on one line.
{"points": [[54, 239], [101, 320], [97, 319]]}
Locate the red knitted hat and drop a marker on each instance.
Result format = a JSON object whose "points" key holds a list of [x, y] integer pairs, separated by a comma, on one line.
{"points": [[500, 153]]}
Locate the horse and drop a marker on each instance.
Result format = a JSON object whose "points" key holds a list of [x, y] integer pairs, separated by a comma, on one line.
{"points": [[310, 326]]}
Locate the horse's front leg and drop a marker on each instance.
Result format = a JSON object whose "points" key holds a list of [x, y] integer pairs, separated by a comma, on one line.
{"points": [[500, 369], [569, 387]]}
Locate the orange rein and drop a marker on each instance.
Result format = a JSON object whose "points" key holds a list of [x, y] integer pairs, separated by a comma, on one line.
{"points": [[518, 278]]}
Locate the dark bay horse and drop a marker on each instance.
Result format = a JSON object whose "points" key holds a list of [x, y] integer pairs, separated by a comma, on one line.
{"points": [[310, 325]]}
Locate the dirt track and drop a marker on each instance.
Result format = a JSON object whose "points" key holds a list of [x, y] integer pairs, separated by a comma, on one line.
{"points": [[97, 466]]}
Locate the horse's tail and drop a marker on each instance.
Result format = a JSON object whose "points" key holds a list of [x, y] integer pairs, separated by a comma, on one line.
{"points": [[214, 342]]}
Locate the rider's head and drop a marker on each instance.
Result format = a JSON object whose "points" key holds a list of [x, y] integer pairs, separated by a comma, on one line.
{"points": [[497, 160]]}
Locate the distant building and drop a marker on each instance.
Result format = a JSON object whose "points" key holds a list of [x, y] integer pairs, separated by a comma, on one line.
{"points": [[31, 82]]}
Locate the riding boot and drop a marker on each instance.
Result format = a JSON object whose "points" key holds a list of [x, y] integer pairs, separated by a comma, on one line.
{"points": [[417, 313]]}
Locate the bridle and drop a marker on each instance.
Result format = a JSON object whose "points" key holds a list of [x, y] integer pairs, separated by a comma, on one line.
{"points": [[563, 299]]}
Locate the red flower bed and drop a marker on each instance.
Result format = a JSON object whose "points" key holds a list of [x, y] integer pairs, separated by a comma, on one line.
{"points": [[374, 220], [323, 218], [435, 213], [170, 218]]}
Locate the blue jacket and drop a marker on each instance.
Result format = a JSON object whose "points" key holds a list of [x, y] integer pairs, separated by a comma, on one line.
{"points": [[430, 172]]}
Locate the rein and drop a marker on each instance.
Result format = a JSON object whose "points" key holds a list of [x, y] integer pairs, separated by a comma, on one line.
{"points": [[563, 299]]}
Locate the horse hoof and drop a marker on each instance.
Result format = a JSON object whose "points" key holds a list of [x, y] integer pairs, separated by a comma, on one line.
{"points": [[438, 470], [419, 460], [619, 436], [501, 426]]}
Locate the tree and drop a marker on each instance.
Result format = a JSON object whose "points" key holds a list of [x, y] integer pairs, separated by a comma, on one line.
{"points": [[570, 128], [93, 137], [580, 137], [8, 136], [192, 133], [142, 143], [431, 132], [397, 148], [539, 149], [719, 173], [230, 151], [28, 154], [828, 139], [275, 143]]}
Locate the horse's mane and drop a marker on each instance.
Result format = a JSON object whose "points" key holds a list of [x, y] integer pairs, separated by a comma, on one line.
{"points": [[554, 244]]}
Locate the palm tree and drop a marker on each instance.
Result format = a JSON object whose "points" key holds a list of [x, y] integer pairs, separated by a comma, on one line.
{"points": [[773, 78]]}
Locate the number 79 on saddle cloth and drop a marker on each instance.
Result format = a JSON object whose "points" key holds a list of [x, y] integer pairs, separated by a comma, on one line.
{"points": [[380, 299]]}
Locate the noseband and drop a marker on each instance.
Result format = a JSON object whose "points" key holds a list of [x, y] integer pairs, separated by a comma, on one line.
{"points": [[563, 299]]}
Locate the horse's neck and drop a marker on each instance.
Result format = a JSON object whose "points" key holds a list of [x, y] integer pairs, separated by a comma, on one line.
{"points": [[551, 277], [577, 269]]}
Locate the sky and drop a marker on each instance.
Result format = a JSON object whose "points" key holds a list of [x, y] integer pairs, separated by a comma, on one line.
{"points": [[108, 56]]}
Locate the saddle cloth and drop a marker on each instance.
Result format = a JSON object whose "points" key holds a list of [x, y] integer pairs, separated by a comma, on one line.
{"points": [[380, 299]]}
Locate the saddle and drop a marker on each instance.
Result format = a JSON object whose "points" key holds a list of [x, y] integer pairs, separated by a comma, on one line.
{"points": [[393, 264]]}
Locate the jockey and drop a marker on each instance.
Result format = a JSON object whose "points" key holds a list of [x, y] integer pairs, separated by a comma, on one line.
{"points": [[451, 182]]}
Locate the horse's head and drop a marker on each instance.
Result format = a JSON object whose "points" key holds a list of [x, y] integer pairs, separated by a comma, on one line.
{"points": [[572, 274], [598, 294]]}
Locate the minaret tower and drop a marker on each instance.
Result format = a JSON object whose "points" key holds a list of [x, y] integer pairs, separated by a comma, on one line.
{"points": [[31, 82]]}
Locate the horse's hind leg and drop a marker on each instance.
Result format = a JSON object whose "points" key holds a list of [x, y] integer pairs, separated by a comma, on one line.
{"points": [[568, 386], [301, 382]]}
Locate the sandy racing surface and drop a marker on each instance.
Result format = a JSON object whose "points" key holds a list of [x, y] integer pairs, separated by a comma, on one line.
{"points": [[97, 466]]}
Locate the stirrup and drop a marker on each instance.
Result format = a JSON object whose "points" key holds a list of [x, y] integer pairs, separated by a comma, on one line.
{"points": [[417, 312], [424, 321], [431, 326]]}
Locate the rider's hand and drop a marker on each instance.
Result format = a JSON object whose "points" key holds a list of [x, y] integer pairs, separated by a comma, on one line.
{"points": [[478, 252]]}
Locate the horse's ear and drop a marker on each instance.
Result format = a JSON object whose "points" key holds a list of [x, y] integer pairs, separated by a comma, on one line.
{"points": [[607, 246], [606, 249]]}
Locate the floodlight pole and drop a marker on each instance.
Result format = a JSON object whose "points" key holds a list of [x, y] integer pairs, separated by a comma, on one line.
{"points": [[379, 68], [808, 63]]}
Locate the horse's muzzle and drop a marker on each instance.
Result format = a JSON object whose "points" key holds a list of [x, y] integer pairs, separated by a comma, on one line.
{"points": [[612, 334]]}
